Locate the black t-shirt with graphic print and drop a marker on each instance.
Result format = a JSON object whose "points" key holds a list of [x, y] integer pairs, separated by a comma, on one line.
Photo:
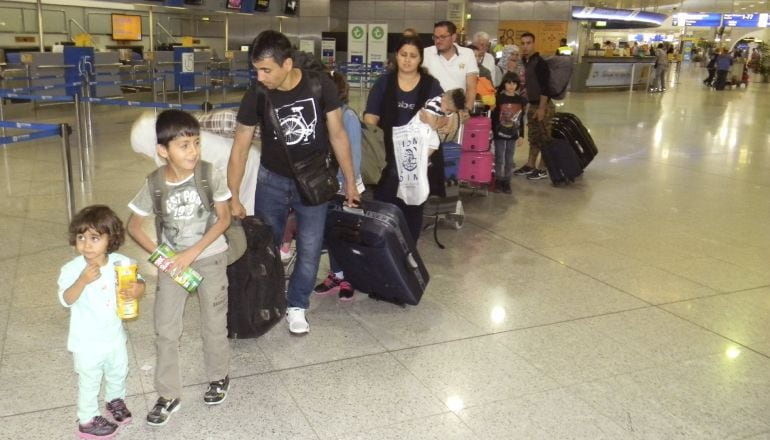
{"points": [[302, 118]]}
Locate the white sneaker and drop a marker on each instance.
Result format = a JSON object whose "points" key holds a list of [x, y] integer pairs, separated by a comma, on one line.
{"points": [[298, 325]]}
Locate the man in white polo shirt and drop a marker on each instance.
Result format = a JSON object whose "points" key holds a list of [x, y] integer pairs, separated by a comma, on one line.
{"points": [[453, 66]]}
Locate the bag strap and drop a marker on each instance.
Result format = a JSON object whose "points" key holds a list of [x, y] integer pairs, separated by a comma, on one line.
{"points": [[317, 91]]}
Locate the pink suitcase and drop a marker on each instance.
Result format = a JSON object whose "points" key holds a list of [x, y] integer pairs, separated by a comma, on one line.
{"points": [[476, 167], [476, 134]]}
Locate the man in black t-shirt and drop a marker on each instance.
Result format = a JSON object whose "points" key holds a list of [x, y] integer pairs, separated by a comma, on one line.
{"points": [[309, 124]]}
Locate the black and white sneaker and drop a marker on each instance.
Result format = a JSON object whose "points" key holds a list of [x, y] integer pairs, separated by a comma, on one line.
{"points": [[537, 175], [217, 392], [523, 171], [162, 411]]}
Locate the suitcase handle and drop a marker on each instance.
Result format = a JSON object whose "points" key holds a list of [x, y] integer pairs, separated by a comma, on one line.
{"points": [[411, 261]]}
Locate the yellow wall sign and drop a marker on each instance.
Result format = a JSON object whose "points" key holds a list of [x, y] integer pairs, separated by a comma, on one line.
{"points": [[547, 33], [187, 41]]}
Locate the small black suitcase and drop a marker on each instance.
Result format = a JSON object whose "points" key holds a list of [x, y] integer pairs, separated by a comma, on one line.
{"points": [[256, 292], [561, 161], [378, 255], [568, 126]]}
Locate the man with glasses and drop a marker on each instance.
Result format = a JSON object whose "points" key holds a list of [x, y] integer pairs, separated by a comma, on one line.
{"points": [[454, 66]]}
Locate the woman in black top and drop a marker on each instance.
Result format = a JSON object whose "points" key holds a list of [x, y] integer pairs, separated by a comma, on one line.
{"points": [[395, 98]]}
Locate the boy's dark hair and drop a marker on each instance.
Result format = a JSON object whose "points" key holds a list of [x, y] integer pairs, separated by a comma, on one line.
{"points": [[458, 98], [101, 219], [528, 34], [342, 86], [509, 77], [271, 44], [448, 25], [173, 123]]}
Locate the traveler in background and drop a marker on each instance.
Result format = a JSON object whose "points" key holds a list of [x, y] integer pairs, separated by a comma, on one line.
{"points": [[510, 61], [335, 282], [564, 49], [711, 67], [481, 41], [541, 108], [453, 66], [394, 99], [290, 89], [724, 61], [484, 88], [661, 67], [97, 338]]}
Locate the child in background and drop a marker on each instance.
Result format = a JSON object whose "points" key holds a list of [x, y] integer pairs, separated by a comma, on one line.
{"points": [[194, 231], [97, 338], [335, 282], [507, 128]]}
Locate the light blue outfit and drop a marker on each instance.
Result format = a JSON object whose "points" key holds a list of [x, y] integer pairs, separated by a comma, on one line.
{"points": [[353, 129], [97, 338]]}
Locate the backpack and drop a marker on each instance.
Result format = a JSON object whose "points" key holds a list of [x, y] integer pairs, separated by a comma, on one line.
{"points": [[372, 153], [156, 182], [561, 68]]}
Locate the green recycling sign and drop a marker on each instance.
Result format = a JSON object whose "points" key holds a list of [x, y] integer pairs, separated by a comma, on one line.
{"points": [[377, 32], [357, 32]]}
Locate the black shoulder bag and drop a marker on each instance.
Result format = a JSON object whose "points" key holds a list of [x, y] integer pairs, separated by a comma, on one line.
{"points": [[316, 176]]}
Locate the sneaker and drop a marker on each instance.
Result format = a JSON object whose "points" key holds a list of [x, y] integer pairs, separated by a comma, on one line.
{"points": [[329, 286], [506, 187], [217, 392], [98, 427], [523, 171], [120, 414], [162, 411], [537, 174], [346, 291], [298, 325]]}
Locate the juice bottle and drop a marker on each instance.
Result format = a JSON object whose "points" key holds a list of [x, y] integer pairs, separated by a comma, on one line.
{"points": [[125, 276]]}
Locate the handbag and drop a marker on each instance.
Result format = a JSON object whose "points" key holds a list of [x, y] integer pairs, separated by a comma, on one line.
{"points": [[316, 176]]}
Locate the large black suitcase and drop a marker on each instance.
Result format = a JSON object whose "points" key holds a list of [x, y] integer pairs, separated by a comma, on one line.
{"points": [[568, 126], [561, 161], [378, 255], [256, 292]]}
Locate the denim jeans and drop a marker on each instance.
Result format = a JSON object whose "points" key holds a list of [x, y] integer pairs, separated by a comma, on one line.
{"points": [[504, 149], [275, 195]]}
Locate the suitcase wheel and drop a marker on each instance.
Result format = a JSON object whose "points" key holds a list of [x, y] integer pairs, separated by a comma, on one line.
{"points": [[457, 220]]}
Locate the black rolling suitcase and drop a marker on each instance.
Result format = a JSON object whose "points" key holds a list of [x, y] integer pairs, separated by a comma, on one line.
{"points": [[568, 126], [256, 292], [562, 161], [378, 255]]}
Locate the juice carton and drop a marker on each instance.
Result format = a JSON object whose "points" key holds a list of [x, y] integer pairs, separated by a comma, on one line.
{"points": [[190, 279], [125, 276]]}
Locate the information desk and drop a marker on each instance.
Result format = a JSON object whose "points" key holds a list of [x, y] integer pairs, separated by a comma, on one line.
{"points": [[612, 73]]}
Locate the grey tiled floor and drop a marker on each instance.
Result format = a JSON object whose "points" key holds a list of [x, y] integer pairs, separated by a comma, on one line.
{"points": [[633, 304]]}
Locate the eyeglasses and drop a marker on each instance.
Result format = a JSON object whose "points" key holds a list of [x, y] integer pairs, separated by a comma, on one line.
{"points": [[441, 37]]}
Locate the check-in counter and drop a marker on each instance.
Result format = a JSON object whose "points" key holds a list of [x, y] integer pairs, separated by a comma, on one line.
{"points": [[612, 73]]}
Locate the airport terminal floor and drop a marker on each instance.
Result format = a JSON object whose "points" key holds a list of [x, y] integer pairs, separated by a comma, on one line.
{"points": [[633, 304]]}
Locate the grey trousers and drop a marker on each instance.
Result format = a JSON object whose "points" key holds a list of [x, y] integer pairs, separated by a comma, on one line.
{"points": [[169, 308]]}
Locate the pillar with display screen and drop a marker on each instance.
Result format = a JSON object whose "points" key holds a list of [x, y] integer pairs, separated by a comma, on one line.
{"points": [[184, 68]]}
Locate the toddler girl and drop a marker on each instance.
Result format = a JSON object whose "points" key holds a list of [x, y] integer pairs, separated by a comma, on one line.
{"points": [[97, 338]]}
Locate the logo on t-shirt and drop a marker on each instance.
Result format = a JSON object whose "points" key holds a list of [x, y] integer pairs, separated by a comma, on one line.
{"points": [[298, 121]]}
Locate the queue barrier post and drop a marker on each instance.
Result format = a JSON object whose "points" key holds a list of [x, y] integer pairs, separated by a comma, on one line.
{"points": [[65, 131]]}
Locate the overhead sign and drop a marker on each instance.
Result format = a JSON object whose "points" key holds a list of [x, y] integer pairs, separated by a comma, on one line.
{"points": [[704, 19], [745, 20], [591, 13]]}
